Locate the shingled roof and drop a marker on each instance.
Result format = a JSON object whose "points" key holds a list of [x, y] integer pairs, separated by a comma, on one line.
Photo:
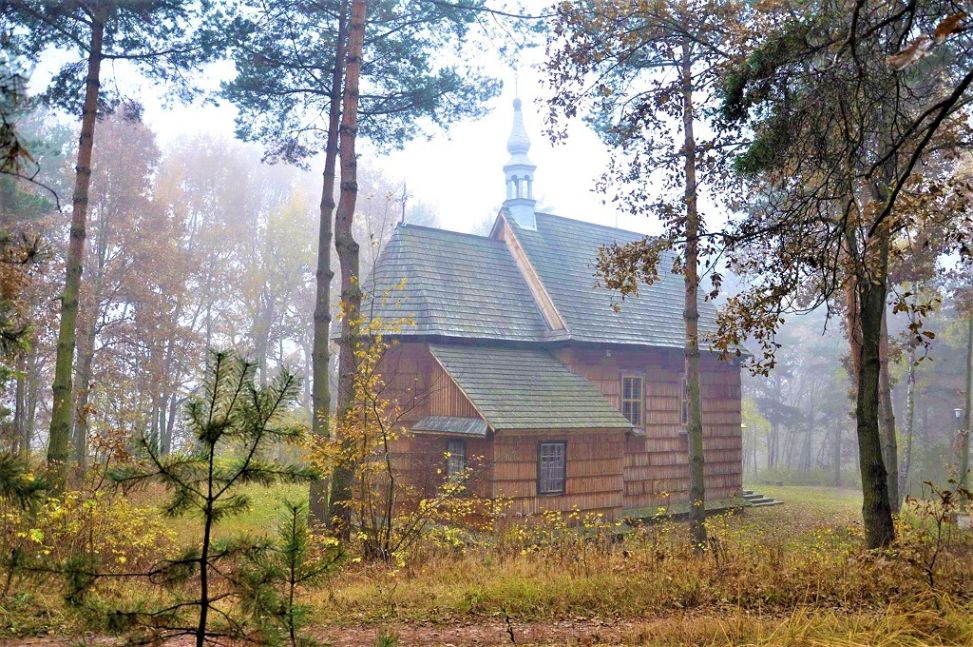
{"points": [[454, 285], [517, 388], [563, 252], [461, 286]]}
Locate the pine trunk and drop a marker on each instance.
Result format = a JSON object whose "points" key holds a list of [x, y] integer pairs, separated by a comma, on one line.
{"points": [[890, 449], [86, 344], [318, 508], [58, 443], [876, 507], [86, 352], [697, 494], [30, 406], [347, 249], [20, 406]]}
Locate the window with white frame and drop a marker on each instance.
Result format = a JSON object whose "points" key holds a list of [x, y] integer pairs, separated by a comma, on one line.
{"points": [[633, 392], [551, 465]]}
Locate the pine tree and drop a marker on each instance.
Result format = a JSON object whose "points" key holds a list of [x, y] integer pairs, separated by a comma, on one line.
{"points": [[235, 425], [292, 65], [156, 36], [844, 156], [655, 65]]}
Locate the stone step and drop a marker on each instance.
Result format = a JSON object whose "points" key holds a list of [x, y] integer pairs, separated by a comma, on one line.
{"points": [[755, 500]]}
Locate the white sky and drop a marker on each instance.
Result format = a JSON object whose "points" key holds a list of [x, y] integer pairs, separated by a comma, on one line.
{"points": [[458, 173]]}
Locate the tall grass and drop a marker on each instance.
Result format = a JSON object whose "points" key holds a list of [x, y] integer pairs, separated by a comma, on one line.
{"points": [[789, 575]]}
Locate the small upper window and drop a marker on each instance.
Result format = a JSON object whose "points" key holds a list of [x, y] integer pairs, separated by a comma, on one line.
{"points": [[551, 462], [456, 458], [632, 399]]}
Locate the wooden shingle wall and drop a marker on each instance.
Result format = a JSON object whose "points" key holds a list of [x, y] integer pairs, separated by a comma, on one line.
{"points": [[657, 462], [606, 470], [593, 478], [418, 383]]}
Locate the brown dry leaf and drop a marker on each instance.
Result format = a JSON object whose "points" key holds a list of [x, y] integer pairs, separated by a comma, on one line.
{"points": [[920, 47], [916, 50], [949, 25]]}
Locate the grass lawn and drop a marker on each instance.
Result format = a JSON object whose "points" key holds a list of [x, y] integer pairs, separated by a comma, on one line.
{"points": [[817, 499]]}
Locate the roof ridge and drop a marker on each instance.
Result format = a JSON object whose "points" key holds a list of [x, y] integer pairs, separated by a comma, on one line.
{"points": [[595, 224], [440, 230]]}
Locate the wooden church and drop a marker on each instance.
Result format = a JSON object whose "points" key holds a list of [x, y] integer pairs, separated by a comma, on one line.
{"points": [[515, 364]]}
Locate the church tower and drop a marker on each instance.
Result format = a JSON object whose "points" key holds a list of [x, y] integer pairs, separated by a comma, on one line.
{"points": [[519, 174]]}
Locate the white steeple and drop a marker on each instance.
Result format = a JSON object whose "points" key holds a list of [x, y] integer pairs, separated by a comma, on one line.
{"points": [[519, 174]]}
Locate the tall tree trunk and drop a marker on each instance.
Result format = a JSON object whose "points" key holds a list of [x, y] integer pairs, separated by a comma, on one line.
{"points": [[263, 321], [170, 425], [86, 343], [964, 444], [772, 440], [347, 249], [697, 490], [30, 408], [20, 402], [86, 353], [57, 449], [910, 419], [319, 508], [890, 450], [836, 456], [876, 508]]}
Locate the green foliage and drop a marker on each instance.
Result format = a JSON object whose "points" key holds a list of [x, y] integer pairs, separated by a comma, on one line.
{"points": [[18, 483], [270, 580], [236, 425], [284, 55], [156, 37], [751, 81]]}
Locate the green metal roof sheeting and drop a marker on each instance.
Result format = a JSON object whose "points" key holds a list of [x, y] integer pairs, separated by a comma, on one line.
{"points": [[515, 388], [452, 425]]}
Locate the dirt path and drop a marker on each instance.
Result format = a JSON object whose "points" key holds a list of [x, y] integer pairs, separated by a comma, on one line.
{"points": [[492, 633]]}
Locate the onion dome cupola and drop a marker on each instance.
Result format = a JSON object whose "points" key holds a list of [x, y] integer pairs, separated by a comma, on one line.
{"points": [[519, 174]]}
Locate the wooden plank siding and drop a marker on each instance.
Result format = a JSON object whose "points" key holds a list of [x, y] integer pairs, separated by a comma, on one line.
{"points": [[593, 471], [606, 470], [656, 471]]}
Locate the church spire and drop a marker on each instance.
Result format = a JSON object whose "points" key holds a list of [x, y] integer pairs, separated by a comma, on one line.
{"points": [[519, 174]]}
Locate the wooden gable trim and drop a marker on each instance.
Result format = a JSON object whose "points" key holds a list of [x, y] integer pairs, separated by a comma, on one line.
{"points": [[458, 387], [503, 231]]}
